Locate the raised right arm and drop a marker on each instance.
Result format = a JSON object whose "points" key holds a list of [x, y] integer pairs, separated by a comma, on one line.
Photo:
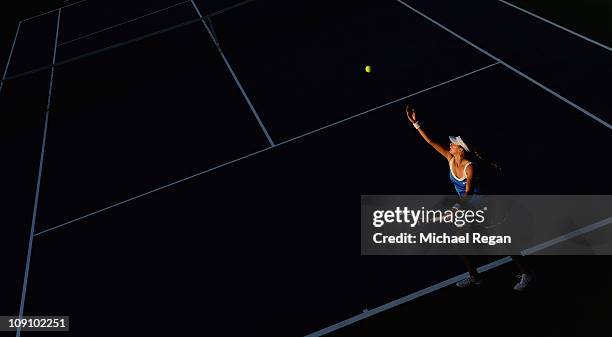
{"points": [[411, 114]]}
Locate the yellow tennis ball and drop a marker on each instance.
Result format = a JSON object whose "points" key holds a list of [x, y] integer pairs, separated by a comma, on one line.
{"points": [[368, 69]]}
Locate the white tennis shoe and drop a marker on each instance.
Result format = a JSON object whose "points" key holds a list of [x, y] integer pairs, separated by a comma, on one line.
{"points": [[470, 280], [524, 282]]}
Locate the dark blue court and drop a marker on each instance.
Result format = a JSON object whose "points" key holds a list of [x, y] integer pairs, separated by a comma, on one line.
{"points": [[197, 166]]}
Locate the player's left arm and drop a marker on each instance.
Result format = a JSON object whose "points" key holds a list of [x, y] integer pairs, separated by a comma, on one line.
{"points": [[469, 181]]}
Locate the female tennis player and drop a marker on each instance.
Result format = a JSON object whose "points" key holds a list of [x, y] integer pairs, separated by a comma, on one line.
{"points": [[463, 175]]}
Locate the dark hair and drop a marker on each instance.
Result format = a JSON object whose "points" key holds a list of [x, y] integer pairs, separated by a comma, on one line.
{"points": [[489, 175], [477, 156]]}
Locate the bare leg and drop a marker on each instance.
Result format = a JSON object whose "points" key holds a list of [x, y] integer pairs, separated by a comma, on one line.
{"points": [[474, 278]]}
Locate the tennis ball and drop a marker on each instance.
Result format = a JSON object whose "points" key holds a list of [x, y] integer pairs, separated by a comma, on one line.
{"points": [[368, 69]]}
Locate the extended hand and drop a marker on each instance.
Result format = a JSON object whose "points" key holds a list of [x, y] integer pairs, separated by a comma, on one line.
{"points": [[411, 114]]}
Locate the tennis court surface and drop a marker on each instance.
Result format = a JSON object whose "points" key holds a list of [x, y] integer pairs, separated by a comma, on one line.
{"points": [[187, 166]]}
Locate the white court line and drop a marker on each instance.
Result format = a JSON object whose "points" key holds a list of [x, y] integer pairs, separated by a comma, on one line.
{"points": [[457, 278], [121, 24], [107, 48], [53, 10], [124, 43], [550, 91], [406, 298], [557, 25], [231, 70], [568, 236], [391, 102], [39, 177], [221, 11], [452, 280], [8, 61], [256, 152]]}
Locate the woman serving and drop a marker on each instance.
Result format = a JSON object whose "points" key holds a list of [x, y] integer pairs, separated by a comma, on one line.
{"points": [[463, 176]]}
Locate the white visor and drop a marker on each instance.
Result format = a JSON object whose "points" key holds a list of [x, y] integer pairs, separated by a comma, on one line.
{"points": [[457, 140]]}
